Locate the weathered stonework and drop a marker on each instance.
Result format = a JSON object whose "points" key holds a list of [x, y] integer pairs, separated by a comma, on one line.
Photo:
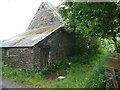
{"points": [[22, 57], [58, 46], [45, 16], [43, 41]]}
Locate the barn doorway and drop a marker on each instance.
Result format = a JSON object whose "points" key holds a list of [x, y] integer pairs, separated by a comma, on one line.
{"points": [[45, 51]]}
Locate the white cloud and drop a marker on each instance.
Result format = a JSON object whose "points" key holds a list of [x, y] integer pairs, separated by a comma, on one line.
{"points": [[16, 15]]}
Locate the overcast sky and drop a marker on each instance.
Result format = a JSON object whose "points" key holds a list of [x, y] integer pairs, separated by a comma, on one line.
{"points": [[15, 15]]}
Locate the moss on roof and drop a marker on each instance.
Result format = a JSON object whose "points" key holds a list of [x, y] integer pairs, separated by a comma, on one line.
{"points": [[48, 29], [17, 41]]}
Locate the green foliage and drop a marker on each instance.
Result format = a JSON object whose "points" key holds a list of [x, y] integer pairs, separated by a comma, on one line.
{"points": [[119, 46], [92, 20], [64, 64], [118, 73], [21, 75], [107, 45], [83, 72], [58, 65], [89, 75]]}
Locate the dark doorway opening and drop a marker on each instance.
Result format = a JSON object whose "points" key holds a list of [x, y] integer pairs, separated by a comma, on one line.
{"points": [[45, 55]]}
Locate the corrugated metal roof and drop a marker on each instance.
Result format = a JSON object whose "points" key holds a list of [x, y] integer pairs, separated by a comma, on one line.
{"points": [[30, 38], [45, 22]]}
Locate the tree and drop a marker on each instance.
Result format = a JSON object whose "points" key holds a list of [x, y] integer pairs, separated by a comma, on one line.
{"points": [[92, 20]]}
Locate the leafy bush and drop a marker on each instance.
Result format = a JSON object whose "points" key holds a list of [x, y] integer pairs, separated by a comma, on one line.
{"points": [[118, 47], [90, 75]]}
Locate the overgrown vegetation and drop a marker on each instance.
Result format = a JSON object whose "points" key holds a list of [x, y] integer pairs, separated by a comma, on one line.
{"points": [[93, 21], [80, 74], [96, 26]]}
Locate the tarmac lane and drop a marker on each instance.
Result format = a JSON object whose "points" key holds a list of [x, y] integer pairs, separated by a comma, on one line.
{"points": [[9, 85]]}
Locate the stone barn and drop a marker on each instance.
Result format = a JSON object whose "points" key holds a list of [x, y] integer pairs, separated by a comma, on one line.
{"points": [[42, 42]]}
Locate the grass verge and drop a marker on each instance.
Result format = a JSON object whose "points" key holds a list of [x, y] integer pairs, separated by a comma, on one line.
{"points": [[83, 72]]}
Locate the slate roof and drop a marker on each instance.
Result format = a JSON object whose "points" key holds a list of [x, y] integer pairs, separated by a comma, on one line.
{"points": [[45, 22]]}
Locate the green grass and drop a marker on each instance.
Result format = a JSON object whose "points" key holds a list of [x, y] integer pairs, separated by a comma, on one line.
{"points": [[83, 76], [80, 74]]}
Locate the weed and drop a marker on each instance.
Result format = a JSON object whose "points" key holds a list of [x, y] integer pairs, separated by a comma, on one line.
{"points": [[82, 72]]}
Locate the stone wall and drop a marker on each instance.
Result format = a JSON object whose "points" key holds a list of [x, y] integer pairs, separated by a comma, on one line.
{"points": [[45, 16], [59, 46], [37, 57], [22, 57]]}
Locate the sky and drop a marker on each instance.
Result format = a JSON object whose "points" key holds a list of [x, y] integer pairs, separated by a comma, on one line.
{"points": [[16, 15]]}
